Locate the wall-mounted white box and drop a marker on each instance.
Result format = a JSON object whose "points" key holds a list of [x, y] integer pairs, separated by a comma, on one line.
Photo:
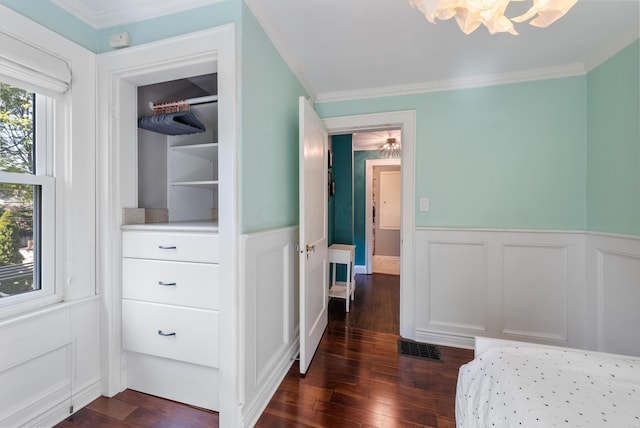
{"points": [[424, 204]]}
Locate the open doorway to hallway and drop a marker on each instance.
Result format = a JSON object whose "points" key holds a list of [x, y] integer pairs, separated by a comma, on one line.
{"points": [[365, 210]]}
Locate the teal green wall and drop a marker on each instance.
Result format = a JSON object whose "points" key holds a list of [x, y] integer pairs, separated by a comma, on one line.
{"points": [[343, 200], [268, 166], [554, 154], [350, 167], [62, 22], [359, 202], [613, 162], [163, 27], [331, 210], [507, 156], [45, 13], [269, 149]]}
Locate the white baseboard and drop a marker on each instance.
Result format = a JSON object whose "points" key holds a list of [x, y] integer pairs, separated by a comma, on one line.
{"points": [[86, 395], [360, 269], [254, 410], [62, 409], [389, 265], [452, 340]]}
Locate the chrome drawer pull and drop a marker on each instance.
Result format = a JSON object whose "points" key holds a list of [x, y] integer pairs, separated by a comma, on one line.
{"points": [[166, 334], [167, 284], [165, 247]]}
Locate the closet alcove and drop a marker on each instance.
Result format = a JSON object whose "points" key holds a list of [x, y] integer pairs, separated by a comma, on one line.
{"points": [[178, 174], [170, 257], [139, 261]]}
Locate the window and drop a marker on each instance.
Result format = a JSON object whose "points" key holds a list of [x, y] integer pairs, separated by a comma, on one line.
{"points": [[27, 207]]}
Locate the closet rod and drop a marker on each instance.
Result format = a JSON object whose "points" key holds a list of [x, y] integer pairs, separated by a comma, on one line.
{"points": [[190, 101]]}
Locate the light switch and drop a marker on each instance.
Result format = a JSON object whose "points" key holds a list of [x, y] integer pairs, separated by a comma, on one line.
{"points": [[424, 204]]}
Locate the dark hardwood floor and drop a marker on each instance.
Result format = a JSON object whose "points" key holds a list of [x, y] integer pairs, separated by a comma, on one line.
{"points": [[132, 409], [356, 379], [375, 308]]}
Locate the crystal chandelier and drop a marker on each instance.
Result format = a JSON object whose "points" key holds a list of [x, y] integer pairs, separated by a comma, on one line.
{"points": [[470, 14], [390, 148]]}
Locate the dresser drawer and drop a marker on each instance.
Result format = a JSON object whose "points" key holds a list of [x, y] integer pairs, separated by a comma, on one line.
{"points": [[191, 334], [178, 246], [174, 283]]}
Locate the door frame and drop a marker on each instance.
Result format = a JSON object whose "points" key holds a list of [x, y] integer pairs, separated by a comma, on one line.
{"points": [[370, 164], [406, 121]]}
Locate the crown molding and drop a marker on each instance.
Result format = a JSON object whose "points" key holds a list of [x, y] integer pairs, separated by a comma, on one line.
{"points": [[78, 9], [126, 11], [257, 8], [611, 48], [568, 70]]}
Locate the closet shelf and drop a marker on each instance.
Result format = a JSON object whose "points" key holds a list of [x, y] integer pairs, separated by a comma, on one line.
{"points": [[208, 184], [204, 151]]}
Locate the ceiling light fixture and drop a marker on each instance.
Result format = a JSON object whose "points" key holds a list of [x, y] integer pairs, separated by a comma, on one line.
{"points": [[390, 148], [470, 14]]}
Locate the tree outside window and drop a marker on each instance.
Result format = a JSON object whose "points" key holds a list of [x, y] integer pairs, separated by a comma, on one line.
{"points": [[16, 199]]}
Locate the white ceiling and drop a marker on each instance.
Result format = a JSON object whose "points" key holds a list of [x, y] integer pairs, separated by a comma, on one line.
{"points": [[345, 49], [109, 13], [372, 140], [360, 48]]}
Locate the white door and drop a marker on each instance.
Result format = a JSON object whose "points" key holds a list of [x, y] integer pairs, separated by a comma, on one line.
{"points": [[390, 192], [314, 143]]}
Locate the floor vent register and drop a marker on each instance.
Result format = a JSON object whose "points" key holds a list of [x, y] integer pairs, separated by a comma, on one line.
{"points": [[420, 350]]}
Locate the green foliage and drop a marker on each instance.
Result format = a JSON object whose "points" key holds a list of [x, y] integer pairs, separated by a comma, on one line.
{"points": [[16, 140], [9, 240], [16, 129], [23, 216]]}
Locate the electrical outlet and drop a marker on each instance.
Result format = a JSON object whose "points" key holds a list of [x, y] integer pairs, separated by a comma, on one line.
{"points": [[120, 40]]}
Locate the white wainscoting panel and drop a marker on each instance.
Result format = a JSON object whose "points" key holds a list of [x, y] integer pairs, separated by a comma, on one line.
{"points": [[535, 291], [49, 364], [269, 302], [453, 297], [521, 285], [36, 383], [614, 291], [85, 333]]}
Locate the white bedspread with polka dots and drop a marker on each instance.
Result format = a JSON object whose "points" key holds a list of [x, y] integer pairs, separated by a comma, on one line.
{"points": [[511, 386]]}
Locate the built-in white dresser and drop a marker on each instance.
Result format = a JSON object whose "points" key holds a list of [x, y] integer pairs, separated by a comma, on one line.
{"points": [[170, 284]]}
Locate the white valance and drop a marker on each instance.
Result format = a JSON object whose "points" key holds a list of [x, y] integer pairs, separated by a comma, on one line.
{"points": [[31, 68]]}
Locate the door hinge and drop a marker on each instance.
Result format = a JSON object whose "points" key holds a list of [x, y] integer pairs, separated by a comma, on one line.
{"points": [[71, 409]]}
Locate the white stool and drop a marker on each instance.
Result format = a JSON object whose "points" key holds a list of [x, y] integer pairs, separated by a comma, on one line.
{"points": [[343, 254]]}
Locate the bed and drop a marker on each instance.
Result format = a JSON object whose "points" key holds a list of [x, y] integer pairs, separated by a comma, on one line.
{"points": [[516, 384]]}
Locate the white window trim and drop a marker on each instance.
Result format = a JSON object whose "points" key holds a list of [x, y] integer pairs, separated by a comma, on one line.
{"points": [[50, 292]]}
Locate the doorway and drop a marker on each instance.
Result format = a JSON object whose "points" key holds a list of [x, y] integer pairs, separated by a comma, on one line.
{"points": [[406, 122], [366, 211], [365, 199]]}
